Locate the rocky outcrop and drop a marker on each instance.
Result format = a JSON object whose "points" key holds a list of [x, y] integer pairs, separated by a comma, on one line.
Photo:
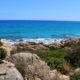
{"points": [[35, 66], [45, 47], [9, 72], [33, 46]]}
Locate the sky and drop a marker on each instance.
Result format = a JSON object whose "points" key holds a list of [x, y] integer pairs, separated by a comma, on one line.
{"points": [[64, 10]]}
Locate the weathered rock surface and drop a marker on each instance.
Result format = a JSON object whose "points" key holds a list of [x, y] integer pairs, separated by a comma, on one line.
{"points": [[35, 66], [9, 72], [57, 76]]}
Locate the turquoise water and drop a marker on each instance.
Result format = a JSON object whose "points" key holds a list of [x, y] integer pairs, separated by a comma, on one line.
{"points": [[39, 31]]}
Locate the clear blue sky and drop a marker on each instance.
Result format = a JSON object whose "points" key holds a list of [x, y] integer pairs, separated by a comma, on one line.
{"points": [[40, 10]]}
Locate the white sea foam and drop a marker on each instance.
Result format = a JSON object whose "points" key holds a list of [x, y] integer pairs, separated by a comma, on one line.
{"points": [[38, 40]]}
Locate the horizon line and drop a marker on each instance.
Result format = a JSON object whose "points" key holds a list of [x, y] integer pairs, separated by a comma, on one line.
{"points": [[33, 20]]}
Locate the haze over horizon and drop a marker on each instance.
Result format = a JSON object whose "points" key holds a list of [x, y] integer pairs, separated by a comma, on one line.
{"points": [[40, 10]]}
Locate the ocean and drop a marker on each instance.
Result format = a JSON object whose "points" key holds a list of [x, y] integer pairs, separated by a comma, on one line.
{"points": [[38, 31]]}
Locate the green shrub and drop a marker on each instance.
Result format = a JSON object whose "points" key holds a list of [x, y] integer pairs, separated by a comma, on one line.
{"points": [[55, 58], [54, 62], [2, 54], [74, 57], [1, 43], [75, 76], [56, 53]]}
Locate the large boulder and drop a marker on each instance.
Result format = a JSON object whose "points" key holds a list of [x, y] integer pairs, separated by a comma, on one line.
{"points": [[35, 66], [9, 72]]}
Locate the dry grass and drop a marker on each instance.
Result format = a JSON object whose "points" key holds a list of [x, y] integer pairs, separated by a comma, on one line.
{"points": [[66, 67]]}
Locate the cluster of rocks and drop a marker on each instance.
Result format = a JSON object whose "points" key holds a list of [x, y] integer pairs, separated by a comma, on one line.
{"points": [[35, 46], [45, 47]]}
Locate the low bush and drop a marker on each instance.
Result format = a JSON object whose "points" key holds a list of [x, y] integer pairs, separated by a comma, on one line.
{"points": [[74, 57], [2, 54], [56, 59], [1, 43], [54, 63], [75, 76], [56, 53]]}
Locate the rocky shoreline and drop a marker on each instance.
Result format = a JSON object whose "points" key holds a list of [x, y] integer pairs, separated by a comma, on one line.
{"points": [[35, 66], [46, 47]]}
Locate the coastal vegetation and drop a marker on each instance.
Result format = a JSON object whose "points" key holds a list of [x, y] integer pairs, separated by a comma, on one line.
{"points": [[1, 43], [2, 54]]}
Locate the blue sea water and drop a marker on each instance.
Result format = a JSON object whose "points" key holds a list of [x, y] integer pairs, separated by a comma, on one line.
{"points": [[39, 31]]}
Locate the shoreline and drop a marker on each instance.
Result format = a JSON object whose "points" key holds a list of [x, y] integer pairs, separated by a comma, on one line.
{"points": [[36, 40], [64, 44]]}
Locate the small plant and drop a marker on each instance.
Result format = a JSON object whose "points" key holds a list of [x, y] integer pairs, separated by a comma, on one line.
{"points": [[1, 43], [21, 65], [75, 76], [2, 54]]}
